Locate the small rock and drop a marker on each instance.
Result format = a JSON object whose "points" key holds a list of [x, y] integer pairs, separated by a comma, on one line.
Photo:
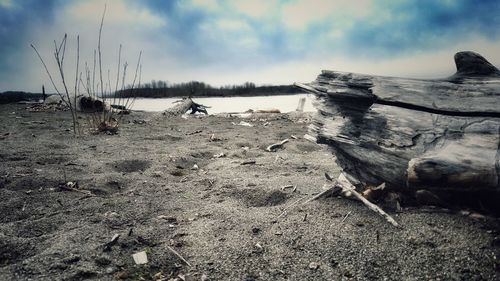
{"points": [[259, 248], [195, 167], [121, 275], [140, 257], [255, 230], [110, 270], [465, 213], [313, 265], [476, 216]]}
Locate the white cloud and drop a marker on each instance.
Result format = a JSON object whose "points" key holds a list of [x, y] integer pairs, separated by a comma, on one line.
{"points": [[232, 25], [6, 4], [118, 12], [298, 14], [255, 8], [210, 5]]}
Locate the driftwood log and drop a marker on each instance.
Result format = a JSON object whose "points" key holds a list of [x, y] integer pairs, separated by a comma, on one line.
{"points": [[183, 106], [413, 134], [83, 103]]}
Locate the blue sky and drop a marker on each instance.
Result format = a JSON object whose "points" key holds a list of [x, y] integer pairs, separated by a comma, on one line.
{"points": [[232, 41]]}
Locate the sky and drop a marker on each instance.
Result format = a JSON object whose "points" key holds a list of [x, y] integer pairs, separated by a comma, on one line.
{"points": [[224, 42]]}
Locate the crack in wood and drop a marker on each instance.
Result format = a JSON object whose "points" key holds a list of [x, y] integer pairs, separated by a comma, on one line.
{"points": [[438, 111]]}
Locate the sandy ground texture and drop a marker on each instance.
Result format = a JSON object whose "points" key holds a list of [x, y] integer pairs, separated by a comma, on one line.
{"points": [[206, 188]]}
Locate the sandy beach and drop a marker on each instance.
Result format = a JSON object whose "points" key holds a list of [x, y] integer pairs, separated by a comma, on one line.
{"points": [[207, 188]]}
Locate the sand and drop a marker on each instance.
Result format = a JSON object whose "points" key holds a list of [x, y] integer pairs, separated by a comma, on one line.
{"points": [[166, 182]]}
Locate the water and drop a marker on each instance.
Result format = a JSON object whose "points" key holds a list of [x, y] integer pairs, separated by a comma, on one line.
{"points": [[285, 103]]}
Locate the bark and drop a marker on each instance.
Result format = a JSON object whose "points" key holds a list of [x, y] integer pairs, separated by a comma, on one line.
{"points": [[414, 133]]}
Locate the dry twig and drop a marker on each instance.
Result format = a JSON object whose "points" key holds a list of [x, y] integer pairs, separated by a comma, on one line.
{"points": [[275, 146], [178, 255], [349, 190]]}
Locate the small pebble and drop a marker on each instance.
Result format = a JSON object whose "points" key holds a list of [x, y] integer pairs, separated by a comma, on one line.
{"points": [[313, 265]]}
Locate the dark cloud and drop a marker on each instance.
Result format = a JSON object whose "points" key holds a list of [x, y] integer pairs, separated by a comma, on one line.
{"points": [[15, 22]]}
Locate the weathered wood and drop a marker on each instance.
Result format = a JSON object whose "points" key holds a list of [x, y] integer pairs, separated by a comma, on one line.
{"points": [[410, 133], [349, 190], [183, 106]]}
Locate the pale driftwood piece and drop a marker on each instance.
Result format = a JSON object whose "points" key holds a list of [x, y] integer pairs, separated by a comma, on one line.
{"points": [[179, 256], [179, 108], [409, 133], [184, 106], [248, 162], [348, 190], [275, 146], [331, 190], [69, 186], [345, 217], [289, 207], [300, 106]]}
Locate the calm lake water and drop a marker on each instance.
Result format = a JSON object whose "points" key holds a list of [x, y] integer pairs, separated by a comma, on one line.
{"points": [[285, 103]]}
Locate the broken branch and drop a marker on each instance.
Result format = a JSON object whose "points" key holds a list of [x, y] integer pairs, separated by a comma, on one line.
{"points": [[348, 190], [275, 146]]}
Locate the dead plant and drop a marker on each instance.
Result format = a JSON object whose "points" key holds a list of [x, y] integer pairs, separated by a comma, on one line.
{"points": [[105, 117]]}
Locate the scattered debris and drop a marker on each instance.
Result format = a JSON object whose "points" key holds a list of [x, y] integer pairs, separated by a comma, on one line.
{"points": [[348, 189], [108, 245], [219, 155], [243, 123], [195, 167], [248, 162], [73, 186], [273, 147], [140, 257], [313, 265], [179, 256], [194, 133], [139, 121], [109, 127], [214, 138], [288, 207], [258, 248], [345, 217]]}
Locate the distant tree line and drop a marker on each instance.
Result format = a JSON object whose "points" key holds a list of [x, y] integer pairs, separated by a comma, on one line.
{"points": [[161, 89], [17, 96]]}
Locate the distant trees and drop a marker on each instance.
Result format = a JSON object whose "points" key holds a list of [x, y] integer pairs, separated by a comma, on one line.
{"points": [[162, 89]]}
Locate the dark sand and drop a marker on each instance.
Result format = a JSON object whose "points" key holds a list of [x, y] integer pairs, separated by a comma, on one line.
{"points": [[218, 217]]}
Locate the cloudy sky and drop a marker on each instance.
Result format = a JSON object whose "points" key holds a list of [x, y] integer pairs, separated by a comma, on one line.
{"points": [[232, 41]]}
